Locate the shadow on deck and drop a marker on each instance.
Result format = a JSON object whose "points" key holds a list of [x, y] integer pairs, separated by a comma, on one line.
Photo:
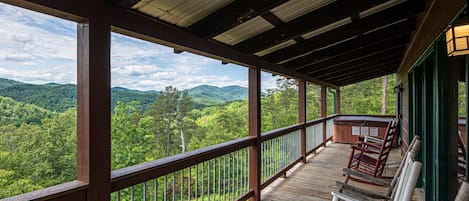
{"points": [[316, 179]]}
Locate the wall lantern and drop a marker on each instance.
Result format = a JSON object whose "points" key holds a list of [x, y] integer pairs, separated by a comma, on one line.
{"points": [[457, 39], [398, 88]]}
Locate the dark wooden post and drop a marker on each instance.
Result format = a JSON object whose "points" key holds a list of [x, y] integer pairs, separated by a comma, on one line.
{"points": [[302, 116], [94, 121], [337, 100], [324, 112], [255, 131], [445, 126], [466, 63]]}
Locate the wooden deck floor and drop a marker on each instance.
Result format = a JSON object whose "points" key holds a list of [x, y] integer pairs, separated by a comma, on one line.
{"points": [[316, 179]]}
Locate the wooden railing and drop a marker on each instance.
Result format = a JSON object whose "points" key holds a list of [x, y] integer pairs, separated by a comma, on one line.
{"points": [[219, 171]]}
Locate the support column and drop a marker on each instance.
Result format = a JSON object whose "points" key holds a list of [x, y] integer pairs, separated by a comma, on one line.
{"points": [[255, 131], [337, 100], [466, 65], [445, 126], [94, 109], [324, 111], [302, 116]]}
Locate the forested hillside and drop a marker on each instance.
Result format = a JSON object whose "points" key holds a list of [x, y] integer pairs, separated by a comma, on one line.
{"points": [[38, 124], [60, 97]]}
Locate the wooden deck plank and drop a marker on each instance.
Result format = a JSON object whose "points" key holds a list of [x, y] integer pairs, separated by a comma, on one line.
{"points": [[315, 179]]}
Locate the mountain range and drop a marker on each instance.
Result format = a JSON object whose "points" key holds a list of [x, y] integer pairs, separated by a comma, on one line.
{"points": [[59, 97]]}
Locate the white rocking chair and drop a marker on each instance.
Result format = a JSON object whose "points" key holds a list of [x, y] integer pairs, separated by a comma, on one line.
{"points": [[400, 189]]}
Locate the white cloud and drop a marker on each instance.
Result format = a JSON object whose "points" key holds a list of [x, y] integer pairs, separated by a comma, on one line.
{"points": [[37, 48], [39, 76]]}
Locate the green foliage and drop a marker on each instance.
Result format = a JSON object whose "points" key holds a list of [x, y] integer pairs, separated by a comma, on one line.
{"points": [[461, 99], [313, 102], [35, 156], [205, 95], [280, 105], [365, 97], [17, 113]]}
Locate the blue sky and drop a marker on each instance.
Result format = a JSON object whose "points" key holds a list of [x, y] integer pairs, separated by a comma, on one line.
{"points": [[37, 48]]}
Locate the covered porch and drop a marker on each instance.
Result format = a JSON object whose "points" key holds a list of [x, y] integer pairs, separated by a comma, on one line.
{"points": [[327, 43], [315, 179]]}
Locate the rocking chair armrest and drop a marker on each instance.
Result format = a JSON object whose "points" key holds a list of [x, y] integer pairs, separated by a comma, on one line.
{"points": [[360, 191], [363, 149], [373, 139], [379, 181], [374, 145]]}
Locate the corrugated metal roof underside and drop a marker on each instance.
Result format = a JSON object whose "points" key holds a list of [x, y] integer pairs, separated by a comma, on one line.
{"points": [[244, 31], [180, 12], [296, 8], [184, 13]]}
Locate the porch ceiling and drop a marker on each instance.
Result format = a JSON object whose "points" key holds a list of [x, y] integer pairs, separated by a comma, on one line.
{"points": [[337, 41]]}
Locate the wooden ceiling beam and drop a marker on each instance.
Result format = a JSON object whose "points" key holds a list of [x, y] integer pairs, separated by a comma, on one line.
{"points": [[231, 15], [345, 69], [366, 70], [402, 11], [310, 50], [370, 48], [361, 78], [323, 16], [315, 70]]}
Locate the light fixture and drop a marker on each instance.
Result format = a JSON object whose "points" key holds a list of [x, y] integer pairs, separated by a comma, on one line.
{"points": [[457, 35], [457, 39], [398, 88]]}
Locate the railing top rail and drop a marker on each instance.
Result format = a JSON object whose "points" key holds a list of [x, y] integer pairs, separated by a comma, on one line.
{"points": [[279, 132], [53, 192], [136, 174], [368, 115]]}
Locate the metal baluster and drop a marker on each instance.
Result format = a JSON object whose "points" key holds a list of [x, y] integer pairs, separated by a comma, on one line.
{"points": [[263, 161], [189, 185], [249, 164], [208, 183], [119, 195], [132, 193], [144, 191], [284, 151], [237, 174], [196, 181], [245, 172], [219, 178], [173, 196], [233, 177], [182, 184], [164, 187], [203, 178], [224, 177], [272, 152], [156, 189], [229, 162], [214, 177]]}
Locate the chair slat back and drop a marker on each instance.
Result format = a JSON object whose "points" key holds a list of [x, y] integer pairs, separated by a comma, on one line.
{"points": [[391, 132], [407, 179]]}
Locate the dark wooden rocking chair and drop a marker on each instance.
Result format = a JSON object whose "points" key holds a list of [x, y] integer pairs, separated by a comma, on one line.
{"points": [[370, 157]]}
